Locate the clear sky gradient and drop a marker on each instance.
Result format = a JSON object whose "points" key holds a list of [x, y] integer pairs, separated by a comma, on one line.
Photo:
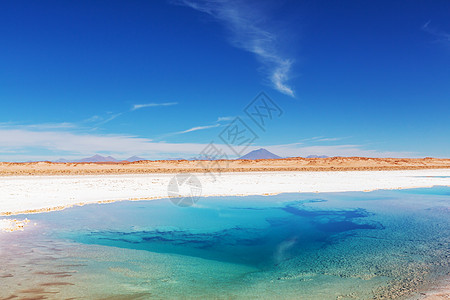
{"points": [[162, 79]]}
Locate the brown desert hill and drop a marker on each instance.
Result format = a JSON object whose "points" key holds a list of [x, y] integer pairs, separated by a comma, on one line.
{"points": [[240, 165]]}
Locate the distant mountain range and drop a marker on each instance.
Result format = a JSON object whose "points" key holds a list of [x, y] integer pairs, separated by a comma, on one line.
{"points": [[265, 154], [260, 154], [100, 158], [255, 154]]}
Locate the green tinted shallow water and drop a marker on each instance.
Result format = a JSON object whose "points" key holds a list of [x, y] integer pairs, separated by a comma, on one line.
{"points": [[305, 246]]}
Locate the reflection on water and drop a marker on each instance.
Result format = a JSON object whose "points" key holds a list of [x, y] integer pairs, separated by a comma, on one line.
{"points": [[311, 246]]}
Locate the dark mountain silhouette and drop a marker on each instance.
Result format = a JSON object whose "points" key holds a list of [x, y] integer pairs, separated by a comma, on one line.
{"points": [[260, 154]]}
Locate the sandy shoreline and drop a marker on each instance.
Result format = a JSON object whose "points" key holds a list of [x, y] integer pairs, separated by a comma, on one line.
{"points": [[440, 291]]}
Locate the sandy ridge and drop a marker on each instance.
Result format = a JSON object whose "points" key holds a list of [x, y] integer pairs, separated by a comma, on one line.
{"points": [[185, 166]]}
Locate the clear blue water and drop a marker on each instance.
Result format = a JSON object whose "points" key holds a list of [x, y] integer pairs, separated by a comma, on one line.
{"points": [[308, 246]]}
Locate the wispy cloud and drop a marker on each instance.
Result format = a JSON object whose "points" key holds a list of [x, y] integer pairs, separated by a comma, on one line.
{"points": [[225, 119], [219, 122], [250, 31], [41, 126], [101, 120], [109, 118], [333, 139], [139, 106], [316, 139], [441, 35], [199, 128], [192, 129], [86, 125]]}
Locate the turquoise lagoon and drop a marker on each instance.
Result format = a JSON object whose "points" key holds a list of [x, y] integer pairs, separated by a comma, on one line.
{"points": [[355, 245]]}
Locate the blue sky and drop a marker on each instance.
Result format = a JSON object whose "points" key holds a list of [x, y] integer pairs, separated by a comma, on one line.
{"points": [[163, 79]]}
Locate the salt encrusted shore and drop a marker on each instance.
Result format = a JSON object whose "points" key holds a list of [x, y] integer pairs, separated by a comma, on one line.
{"points": [[29, 194]]}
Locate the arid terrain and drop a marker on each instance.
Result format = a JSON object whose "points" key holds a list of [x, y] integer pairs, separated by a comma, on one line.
{"points": [[176, 166]]}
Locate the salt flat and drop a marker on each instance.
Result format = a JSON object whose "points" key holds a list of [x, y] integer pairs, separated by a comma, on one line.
{"points": [[25, 194]]}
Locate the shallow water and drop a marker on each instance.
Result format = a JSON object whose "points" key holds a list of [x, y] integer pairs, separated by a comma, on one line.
{"points": [[351, 245]]}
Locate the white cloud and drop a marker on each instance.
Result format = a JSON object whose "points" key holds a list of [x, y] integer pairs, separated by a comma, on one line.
{"points": [[42, 126], [77, 144], [199, 128], [250, 31], [24, 142], [139, 106], [192, 129], [328, 139], [224, 119]]}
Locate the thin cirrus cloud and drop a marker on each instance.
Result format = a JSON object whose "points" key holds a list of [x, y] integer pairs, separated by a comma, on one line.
{"points": [[101, 120], [441, 35], [225, 119], [109, 119], [197, 128], [42, 126], [218, 123], [192, 129], [249, 32], [140, 106], [97, 120], [329, 139]]}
